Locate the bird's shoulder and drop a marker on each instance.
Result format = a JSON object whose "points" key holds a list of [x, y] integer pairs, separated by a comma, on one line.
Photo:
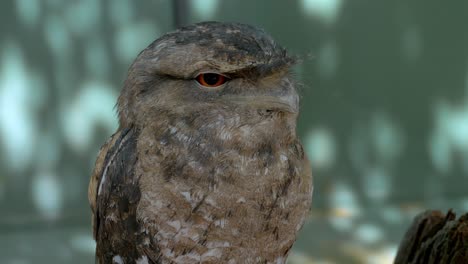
{"points": [[98, 168], [109, 168]]}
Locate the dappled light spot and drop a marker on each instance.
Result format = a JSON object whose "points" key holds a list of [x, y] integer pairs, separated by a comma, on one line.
{"points": [[376, 183], [374, 148], [325, 10], [368, 233], [29, 11], [320, 147], [130, 39], [57, 36], [83, 16], [17, 117], [304, 258], [47, 194], [369, 254], [449, 135], [392, 214], [387, 137], [344, 207], [458, 127], [440, 152], [204, 9], [92, 108], [464, 204], [384, 255], [339, 220], [83, 242]]}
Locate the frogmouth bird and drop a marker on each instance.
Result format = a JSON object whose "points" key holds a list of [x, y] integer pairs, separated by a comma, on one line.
{"points": [[206, 166]]}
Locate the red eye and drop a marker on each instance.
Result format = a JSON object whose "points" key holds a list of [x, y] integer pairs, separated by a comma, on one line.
{"points": [[211, 80]]}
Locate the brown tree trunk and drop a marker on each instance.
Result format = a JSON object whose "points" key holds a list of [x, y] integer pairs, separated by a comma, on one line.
{"points": [[435, 238]]}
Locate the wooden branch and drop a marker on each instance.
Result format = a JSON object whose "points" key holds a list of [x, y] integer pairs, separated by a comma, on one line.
{"points": [[435, 238]]}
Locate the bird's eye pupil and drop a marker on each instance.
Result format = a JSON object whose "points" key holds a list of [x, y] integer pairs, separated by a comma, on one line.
{"points": [[211, 78]]}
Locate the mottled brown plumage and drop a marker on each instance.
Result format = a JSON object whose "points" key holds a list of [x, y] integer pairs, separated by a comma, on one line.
{"points": [[197, 174]]}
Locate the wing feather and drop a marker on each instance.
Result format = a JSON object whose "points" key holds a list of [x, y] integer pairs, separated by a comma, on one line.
{"points": [[102, 162], [114, 195]]}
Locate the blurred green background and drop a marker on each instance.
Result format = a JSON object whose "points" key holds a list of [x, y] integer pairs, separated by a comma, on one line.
{"points": [[384, 114]]}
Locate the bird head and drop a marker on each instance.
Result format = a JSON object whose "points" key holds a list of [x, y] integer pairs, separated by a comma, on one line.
{"points": [[208, 67]]}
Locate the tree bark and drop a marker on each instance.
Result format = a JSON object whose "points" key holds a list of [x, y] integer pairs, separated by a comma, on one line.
{"points": [[435, 238]]}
